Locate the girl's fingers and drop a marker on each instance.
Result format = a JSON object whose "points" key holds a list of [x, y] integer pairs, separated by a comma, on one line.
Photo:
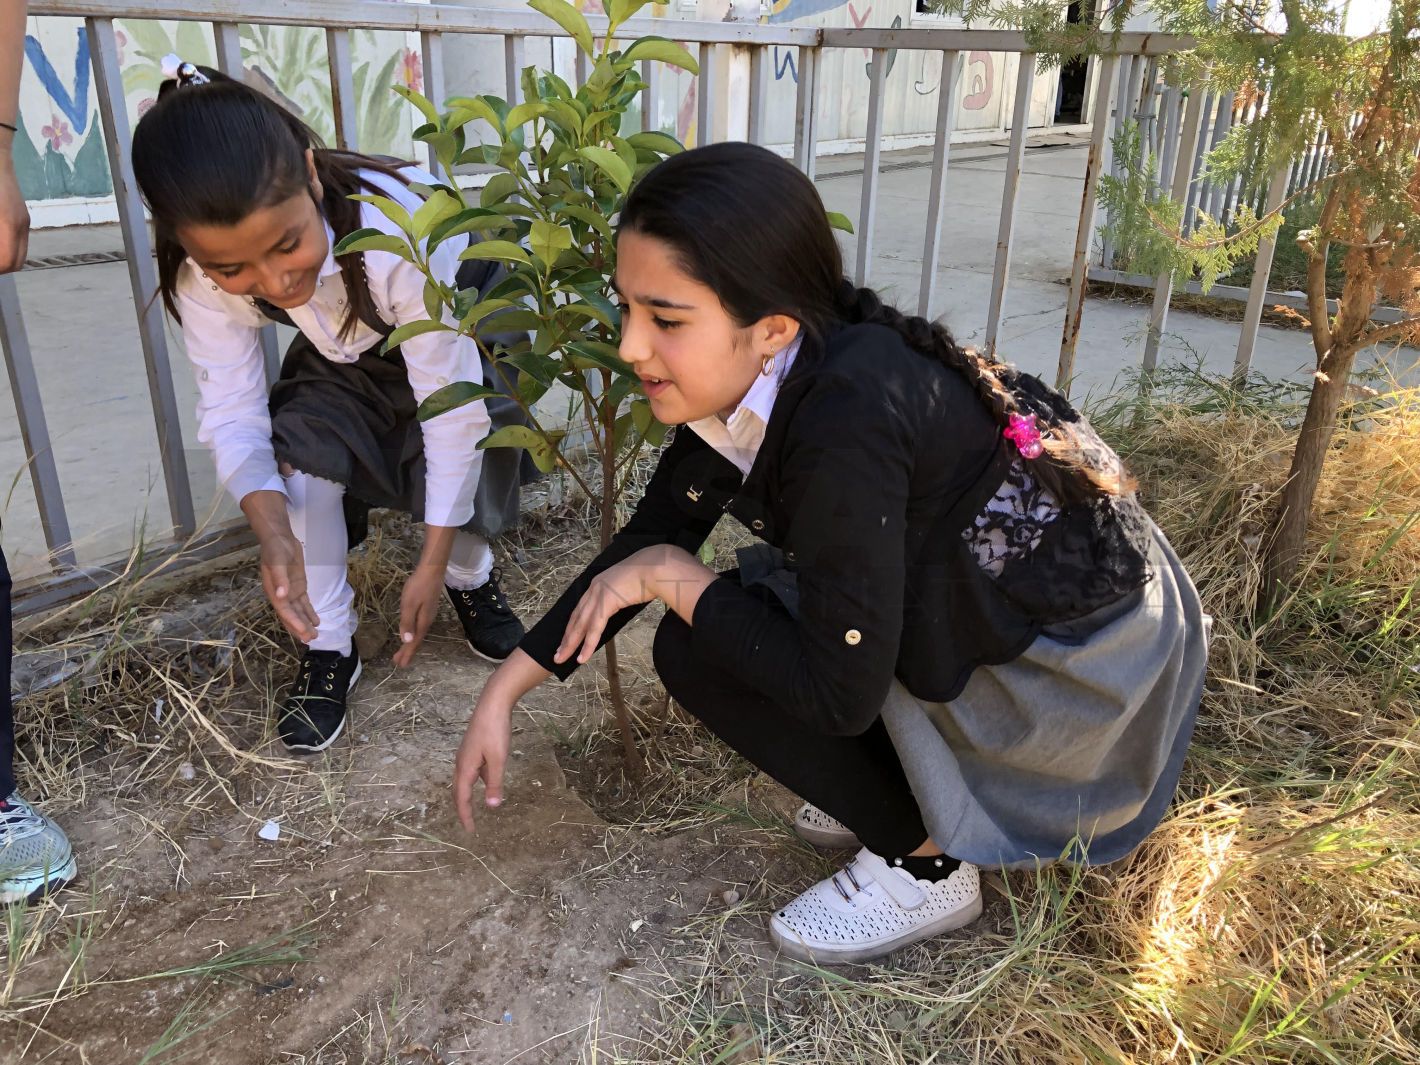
{"points": [[573, 635], [593, 637], [463, 793]]}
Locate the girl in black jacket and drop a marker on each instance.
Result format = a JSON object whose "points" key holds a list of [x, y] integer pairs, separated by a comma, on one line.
{"points": [[961, 639]]}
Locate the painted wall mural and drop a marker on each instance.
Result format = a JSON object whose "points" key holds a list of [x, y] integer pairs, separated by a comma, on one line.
{"points": [[60, 154]]}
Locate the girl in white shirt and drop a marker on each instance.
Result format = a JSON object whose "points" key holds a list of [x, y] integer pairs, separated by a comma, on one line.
{"points": [[247, 208]]}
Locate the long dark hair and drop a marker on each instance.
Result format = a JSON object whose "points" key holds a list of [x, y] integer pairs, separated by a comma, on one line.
{"points": [[211, 154], [751, 227]]}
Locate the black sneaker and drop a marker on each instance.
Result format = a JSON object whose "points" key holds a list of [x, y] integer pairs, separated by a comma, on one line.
{"points": [[313, 714], [493, 630]]}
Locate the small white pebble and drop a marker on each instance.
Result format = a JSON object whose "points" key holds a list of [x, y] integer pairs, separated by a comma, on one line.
{"points": [[731, 897], [270, 831], [636, 925], [186, 771]]}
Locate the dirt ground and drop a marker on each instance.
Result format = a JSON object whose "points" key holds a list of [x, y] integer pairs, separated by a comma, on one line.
{"points": [[374, 929]]}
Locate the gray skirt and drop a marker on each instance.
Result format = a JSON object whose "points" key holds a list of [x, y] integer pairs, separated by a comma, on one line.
{"points": [[354, 423], [1070, 751], [1073, 750]]}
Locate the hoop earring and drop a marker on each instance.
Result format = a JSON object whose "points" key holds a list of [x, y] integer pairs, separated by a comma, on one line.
{"points": [[767, 364]]}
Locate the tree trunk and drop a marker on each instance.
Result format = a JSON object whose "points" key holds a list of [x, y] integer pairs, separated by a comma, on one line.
{"points": [[631, 754], [1337, 341], [1288, 534]]}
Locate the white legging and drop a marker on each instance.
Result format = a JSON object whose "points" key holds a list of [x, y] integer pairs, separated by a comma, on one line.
{"points": [[318, 522]]}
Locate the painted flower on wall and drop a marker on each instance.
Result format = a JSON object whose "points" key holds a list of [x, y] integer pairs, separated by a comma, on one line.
{"points": [[122, 39], [411, 70], [57, 132]]}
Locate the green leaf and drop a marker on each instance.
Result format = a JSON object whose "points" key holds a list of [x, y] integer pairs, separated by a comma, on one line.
{"points": [[547, 239], [413, 329], [458, 394], [660, 143], [372, 240], [588, 311], [480, 311], [618, 11], [530, 389], [503, 251], [610, 163], [565, 115], [516, 320], [840, 221], [664, 51], [469, 220], [539, 367], [433, 300], [594, 219], [427, 109], [595, 353], [525, 113], [393, 211], [464, 109], [498, 189], [653, 431], [569, 18], [432, 211], [542, 450]]}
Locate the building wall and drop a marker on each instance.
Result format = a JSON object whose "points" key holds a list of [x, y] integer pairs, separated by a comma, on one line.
{"points": [[63, 166]]}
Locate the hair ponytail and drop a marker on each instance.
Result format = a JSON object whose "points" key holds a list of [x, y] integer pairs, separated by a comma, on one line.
{"points": [[1068, 466], [210, 154]]}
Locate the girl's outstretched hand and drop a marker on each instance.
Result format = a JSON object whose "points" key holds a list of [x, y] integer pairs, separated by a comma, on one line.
{"points": [[484, 751], [661, 572], [418, 606], [482, 755], [283, 576]]}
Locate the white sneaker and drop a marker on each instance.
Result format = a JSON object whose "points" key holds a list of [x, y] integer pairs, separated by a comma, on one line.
{"points": [[35, 858], [816, 827], [871, 909]]}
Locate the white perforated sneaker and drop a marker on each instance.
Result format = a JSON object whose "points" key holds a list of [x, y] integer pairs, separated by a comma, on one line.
{"points": [[816, 827], [870, 909]]}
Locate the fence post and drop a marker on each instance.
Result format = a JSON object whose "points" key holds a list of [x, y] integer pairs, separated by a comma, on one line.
{"points": [[1005, 232], [342, 89], [431, 44], [1178, 191], [805, 108], [1257, 291], [142, 276], [1084, 232], [872, 158], [941, 150], [34, 431]]}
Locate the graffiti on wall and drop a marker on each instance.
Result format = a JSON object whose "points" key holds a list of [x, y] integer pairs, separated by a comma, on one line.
{"points": [[59, 152]]}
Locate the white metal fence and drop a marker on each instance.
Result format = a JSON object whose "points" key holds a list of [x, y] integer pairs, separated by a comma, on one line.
{"points": [[1119, 73]]}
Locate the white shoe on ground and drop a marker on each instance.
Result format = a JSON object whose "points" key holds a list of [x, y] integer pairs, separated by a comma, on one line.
{"points": [[35, 857], [816, 827], [871, 908]]}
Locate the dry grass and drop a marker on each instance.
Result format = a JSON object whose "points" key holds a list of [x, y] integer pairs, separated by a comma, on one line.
{"points": [[1273, 916]]}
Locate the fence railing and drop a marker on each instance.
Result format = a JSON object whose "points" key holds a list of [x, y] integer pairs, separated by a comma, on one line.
{"points": [[1118, 72]]}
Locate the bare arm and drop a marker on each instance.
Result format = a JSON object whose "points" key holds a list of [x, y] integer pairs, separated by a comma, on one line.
{"points": [[14, 215]]}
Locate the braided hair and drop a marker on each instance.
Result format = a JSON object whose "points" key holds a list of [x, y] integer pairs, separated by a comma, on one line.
{"points": [[751, 227], [212, 153]]}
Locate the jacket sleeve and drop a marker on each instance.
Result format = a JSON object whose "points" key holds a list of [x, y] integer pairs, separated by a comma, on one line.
{"points": [[660, 518], [845, 475]]}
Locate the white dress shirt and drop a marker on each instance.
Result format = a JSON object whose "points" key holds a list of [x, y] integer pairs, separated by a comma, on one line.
{"points": [[221, 335], [739, 436]]}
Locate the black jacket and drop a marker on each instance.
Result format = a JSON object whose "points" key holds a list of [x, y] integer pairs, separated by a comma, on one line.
{"points": [[875, 464]]}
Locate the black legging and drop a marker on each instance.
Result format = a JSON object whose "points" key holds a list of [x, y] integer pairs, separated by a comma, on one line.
{"points": [[857, 779], [7, 717]]}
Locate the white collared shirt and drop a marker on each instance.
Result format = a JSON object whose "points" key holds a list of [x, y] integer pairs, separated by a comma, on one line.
{"points": [[739, 436], [221, 333]]}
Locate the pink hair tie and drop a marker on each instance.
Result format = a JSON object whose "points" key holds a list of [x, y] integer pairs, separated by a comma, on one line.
{"points": [[1022, 431]]}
